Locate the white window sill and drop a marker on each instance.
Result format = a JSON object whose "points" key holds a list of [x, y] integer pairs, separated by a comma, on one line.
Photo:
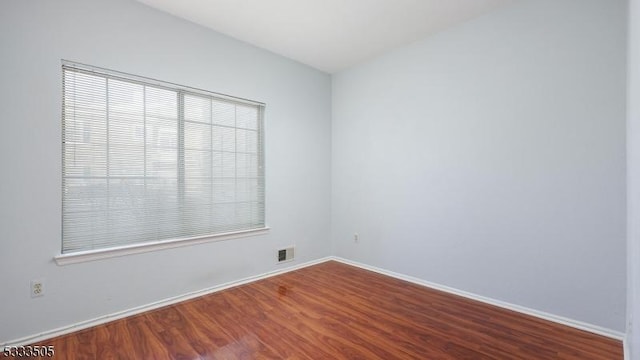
{"points": [[91, 255]]}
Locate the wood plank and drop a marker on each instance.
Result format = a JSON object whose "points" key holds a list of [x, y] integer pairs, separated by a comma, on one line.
{"points": [[333, 311]]}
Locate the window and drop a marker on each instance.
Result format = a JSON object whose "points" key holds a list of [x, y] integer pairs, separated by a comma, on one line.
{"points": [[147, 161]]}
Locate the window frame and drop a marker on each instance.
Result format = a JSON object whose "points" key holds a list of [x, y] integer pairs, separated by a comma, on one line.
{"points": [[182, 91]]}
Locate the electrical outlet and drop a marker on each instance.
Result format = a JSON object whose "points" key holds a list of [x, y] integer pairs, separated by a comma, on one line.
{"points": [[37, 288]]}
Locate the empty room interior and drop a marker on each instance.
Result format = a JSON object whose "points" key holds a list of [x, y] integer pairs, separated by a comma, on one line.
{"points": [[320, 179]]}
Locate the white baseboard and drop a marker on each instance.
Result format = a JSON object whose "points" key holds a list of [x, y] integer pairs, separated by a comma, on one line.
{"points": [[625, 347], [521, 309], [173, 300], [158, 304]]}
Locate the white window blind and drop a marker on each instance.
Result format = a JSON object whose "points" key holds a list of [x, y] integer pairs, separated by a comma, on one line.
{"points": [[147, 161]]}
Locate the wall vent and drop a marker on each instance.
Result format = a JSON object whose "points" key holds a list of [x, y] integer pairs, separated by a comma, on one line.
{"points": [[285, 254]]}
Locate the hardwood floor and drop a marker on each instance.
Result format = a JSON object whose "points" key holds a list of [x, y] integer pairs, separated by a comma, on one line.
{"points": [[333, 311]]}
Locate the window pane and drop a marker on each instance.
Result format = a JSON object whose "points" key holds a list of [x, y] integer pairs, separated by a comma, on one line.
{"points": [[126, 146], [197, 136], [197, 108], [224, 113], [161, 147], [161, 103], [247, 117]]}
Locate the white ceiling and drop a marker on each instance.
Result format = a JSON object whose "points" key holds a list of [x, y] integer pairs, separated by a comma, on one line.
{"points": [[329, 35]]}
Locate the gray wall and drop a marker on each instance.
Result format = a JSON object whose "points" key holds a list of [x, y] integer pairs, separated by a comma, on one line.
{"points": [[127, 36], [491, 158], [633, 182]]}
